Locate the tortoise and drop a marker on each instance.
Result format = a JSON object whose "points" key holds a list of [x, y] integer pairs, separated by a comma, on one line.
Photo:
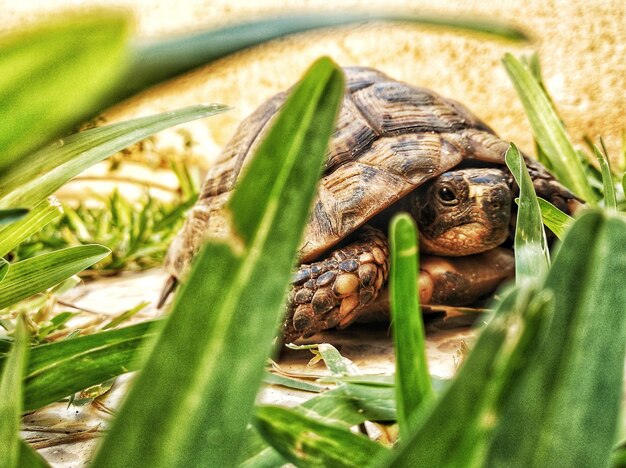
{"points": [[395, 147]]}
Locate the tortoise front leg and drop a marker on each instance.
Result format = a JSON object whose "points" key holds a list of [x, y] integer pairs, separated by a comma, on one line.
{"points": [[452, 281], [332, 292]]}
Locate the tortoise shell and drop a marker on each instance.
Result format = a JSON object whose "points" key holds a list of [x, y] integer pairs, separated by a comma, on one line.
{"points": [[390, 138]]}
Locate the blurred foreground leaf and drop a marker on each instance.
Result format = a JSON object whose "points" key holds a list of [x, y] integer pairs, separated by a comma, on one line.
{"points": [[565, 398], [528, 393], [47, 76], [203, 406], [156, 61], [4, 268], [11, 215]]}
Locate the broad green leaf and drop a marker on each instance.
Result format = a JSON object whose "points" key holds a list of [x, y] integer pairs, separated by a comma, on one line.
{"points": [[29, 458], [203, 406], [56, 370], [557, 221], [610, 199], [39, 273], [47, 76], [39, 174], [351, 404], [156, 61], [41, 214], [373, 402], [11, 397], [413, 385], [308, 442], [346, 405], [545, 359], [618, 459], [263, 457], [11, 215], [532, 257], [548, 130], [566, 397], [454, 432]]}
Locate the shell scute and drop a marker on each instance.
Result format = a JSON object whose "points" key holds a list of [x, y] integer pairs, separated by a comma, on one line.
{"points": [[390, 138], [392, 107]]}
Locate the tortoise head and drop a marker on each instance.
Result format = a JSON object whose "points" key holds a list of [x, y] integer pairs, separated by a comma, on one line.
{"points": [[463, 212]]}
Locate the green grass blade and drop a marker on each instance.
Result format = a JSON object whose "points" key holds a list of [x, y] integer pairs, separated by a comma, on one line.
{"points": [[39, 273], [531, 247], [39, 174], [159, 60], [308, 442], [56, 370], [618, 459], [557, 221], [452, 432], [203, 406], [59, 369], [11, 215], [42, 213], [413, 385], [340, 406], [47, 79], [565, 398], [4, 268], [527, 394], [11, 397], [289, 382], [610, 198], [346, 405], [548, 130]]}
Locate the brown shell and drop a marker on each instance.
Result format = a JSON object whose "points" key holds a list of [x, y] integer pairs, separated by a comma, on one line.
{"points": [[390, 138]]}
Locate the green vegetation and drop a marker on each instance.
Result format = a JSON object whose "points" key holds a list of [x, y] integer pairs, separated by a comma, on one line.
{"points": [[546, 368]]}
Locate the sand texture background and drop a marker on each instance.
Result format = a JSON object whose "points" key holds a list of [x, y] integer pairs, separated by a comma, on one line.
{"points": [[581, 44]]}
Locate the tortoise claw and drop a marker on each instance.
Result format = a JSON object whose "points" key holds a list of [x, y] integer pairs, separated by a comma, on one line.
{"points": [[332, 292]]}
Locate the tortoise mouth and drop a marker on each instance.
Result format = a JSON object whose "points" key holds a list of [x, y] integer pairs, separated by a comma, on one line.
{"points": [[464, 212], [465, 239]]}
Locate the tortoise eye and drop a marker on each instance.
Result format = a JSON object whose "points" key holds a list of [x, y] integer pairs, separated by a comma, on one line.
{"points": [[447, 196]]}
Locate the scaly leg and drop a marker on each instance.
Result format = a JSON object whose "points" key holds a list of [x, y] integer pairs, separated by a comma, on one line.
{"points": [[332, 292], [452, 281], [350, 284]]}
